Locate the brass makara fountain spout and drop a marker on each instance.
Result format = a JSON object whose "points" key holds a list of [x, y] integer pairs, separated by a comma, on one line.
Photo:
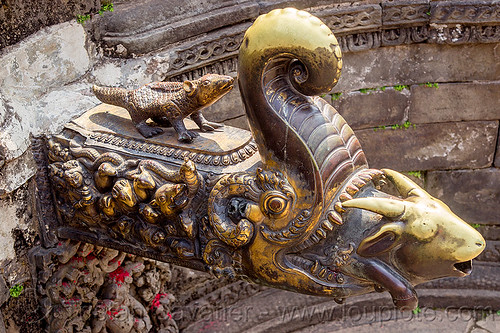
{"points": [[304, 213]]}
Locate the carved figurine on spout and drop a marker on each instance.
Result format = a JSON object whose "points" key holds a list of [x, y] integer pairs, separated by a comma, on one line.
{"points": [[168, 103]]}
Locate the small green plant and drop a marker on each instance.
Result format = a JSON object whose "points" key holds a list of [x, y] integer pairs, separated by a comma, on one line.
{"points": [[379, 127], [382, 88], [400, 87], [82, 18], [432, 85], [475, 225], [106, 7], [336, 96], [16, 290], [367, 90], [428, 13], [405, 126], [498, 312], [417, 174], [417, 310]]}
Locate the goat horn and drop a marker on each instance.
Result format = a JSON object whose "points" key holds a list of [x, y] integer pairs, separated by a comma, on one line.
{"points": [[405, 186], [386, 207]]}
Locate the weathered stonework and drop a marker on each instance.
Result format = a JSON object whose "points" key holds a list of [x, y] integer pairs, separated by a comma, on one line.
{"points": [[372, 108], [90, 288], [171, 23], [461, 145], [471, 12], [454, 102], [32, 73], [472, 194], [17, 212], [497, 154], [417, 63], [361, 27]]}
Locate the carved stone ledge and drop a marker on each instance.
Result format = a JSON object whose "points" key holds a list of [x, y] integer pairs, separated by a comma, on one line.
{"points": [[465, 12], [359, 28], [345, 20], [405, 13], [169, 22]]}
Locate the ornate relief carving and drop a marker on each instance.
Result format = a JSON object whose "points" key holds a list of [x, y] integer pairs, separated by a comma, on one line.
{"points": [[226, 66], [403, 13], [360, 42], [461, 12], [205, 157], [351, 19], [206, 51], [138, 201], [93, 289], [358, 28], [464, 34]]}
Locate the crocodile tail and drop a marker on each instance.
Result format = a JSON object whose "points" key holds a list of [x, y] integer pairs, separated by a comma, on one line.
{"points": [[113, 96]]}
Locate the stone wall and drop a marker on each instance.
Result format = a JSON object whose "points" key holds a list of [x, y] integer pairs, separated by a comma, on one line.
{"points": [[21, 18], [420, 86]]}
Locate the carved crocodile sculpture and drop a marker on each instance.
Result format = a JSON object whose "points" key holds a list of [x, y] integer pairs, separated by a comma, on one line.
{"points": [[168, 103], [307, 214]]}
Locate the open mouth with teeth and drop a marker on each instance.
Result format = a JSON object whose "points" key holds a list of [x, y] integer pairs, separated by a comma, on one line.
{"points": [[180, 200], [227, 86], [464, 267]]}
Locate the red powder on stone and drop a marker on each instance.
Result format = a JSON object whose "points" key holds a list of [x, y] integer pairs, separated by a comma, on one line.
{"points": [[156, 302], [119, 275]]}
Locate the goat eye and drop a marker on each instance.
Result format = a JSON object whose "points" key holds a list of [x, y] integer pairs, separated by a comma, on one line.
{"points": [[206, 83], [275, 204]]}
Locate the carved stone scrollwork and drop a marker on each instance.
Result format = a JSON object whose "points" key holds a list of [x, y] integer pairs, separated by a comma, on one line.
{"points": [[360, 42], [352, 19], [358, 27], [205, 51], [483, 12], [304, 213], [404, 13]]}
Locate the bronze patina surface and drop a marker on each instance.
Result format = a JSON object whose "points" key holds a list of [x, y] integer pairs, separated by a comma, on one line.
{"points": [[304, 213]]}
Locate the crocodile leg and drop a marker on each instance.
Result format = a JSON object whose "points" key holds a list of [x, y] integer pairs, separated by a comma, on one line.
{"points": [[203, 124], [140, 123], [183, 134]]}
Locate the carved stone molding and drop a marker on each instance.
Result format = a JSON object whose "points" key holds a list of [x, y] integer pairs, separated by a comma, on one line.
{"points": [[465, 12], [350, 20], [358, 28], [405, 13]]}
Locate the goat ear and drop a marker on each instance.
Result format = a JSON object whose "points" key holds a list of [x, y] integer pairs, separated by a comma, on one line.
{"points": [[382, 241], [189, 87]]}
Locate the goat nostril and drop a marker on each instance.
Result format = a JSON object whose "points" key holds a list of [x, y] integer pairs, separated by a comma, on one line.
{"points": [[479, 244]]}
